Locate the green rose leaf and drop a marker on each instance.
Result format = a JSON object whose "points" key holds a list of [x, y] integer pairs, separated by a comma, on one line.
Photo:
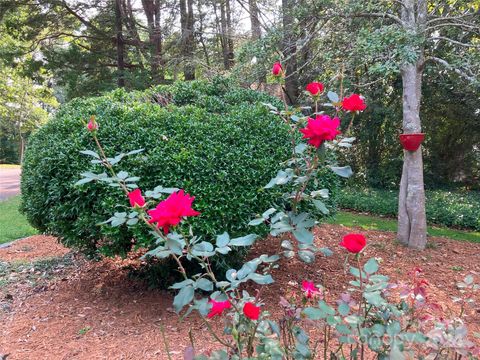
{"points": [[184, 297]]}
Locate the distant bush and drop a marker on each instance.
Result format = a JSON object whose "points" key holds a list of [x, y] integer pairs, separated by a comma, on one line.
{"points": [[214, 140], [450, 208]]}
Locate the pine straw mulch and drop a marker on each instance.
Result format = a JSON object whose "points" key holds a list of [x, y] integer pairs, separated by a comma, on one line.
{"points": [[80, 309]]}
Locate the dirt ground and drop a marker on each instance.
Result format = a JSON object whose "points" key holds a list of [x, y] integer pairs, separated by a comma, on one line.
{"points": [[54, 304]]}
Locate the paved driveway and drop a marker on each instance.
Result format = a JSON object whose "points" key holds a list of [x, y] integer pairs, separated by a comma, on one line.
{"points": [[9, 183]]}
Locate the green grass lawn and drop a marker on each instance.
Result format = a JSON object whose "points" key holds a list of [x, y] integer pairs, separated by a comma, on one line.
{"points": [[369, 222], [13, 225]]}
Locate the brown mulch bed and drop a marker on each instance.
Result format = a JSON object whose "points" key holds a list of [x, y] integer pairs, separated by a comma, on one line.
{"points": [[31, 248], [94, 310]]}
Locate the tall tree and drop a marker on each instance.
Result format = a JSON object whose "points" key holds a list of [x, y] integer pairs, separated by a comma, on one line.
{"points": [[188, 39], [255, 25], [120, 44], [152, 13], [290, 50], [423, 26]]}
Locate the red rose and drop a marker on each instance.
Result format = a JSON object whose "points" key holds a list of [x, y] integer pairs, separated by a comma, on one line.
{"points": [[218, 307], [314, 88], [92, 124], [170, 211], [354, 242], [277, 69], [136, 198], [320, 129], [309, 288], [354, 103], [251, 311]]}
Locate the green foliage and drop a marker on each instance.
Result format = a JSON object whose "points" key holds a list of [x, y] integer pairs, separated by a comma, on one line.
{"points": [[197, 136], [450, 208], [26, 100]]}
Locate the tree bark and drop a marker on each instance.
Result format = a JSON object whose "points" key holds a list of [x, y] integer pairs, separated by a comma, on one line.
{"points": [[289, 51], [152, 13], [230, 46], [223, 37], [188, 43], [120, 44], [254, 20], [201, 20], [412, 224]]}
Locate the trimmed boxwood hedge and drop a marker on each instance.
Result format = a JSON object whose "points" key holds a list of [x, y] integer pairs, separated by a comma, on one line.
{"points": [[216, 141]]}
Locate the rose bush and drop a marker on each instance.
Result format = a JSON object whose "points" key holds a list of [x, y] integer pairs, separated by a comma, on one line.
{"points": [[364, 321], [215, 140]]}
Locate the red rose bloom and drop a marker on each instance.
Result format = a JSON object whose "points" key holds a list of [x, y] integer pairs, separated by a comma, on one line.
{"points": [[251, 311], [92, 124], [170, 211], [354, 103], [277, 69], [136, 198], [320, 129], [218, 307], [309, 288], [354, 242], [314, 88]]}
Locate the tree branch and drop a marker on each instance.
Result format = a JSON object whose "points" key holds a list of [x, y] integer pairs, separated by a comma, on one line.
{"points": [[451, 67], [454, 41], [443, 19], [380, 15], [468, 27]]}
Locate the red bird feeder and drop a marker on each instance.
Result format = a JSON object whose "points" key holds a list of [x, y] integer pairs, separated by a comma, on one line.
{"points": [[411, 142]]}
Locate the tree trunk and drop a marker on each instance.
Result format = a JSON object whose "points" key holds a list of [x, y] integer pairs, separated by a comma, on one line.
{"points": [[131, 27], [201, 20], [152, 13], [230, 49], [254, 20], [223, 37], [120, 44], [188, 43], [412, 223], [289, 51]]}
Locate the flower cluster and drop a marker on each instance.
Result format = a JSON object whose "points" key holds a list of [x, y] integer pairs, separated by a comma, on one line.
{"points": [[322, 127]]}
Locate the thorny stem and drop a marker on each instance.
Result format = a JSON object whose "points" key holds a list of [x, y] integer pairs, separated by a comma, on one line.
{"points": [[165, 342], [157, 231], [109, 166], [325, 341], [215, 335], [300, 190], [360, 307], [291, 128], [350, 124]]}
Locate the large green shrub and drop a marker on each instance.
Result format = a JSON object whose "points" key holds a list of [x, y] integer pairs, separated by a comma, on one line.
{"points": [[216, 141]]}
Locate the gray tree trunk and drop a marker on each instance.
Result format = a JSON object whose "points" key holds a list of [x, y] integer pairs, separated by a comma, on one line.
{"points": [[188, 41], [289, 51], [120, 44], [412, 224], [152, 13]]}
